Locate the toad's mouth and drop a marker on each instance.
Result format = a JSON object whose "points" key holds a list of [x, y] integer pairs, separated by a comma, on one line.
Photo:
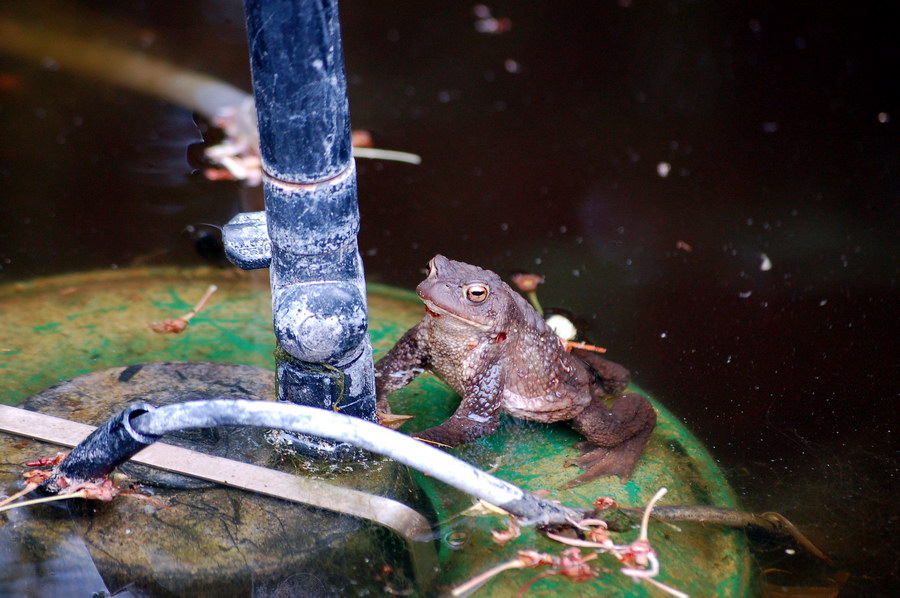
{"points": [[436, 312]]}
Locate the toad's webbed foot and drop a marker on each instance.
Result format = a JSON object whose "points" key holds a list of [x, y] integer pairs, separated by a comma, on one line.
{"points": [[615, 437]]}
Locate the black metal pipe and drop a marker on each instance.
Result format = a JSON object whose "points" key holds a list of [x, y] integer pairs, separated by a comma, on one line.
{"points": [[307, 236], [300, 87]]}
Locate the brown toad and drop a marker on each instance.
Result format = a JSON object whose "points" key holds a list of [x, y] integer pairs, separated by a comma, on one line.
{"points": [[485, 341]]}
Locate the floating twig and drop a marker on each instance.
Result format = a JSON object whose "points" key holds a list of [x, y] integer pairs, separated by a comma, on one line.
{"points": [[373, 153], [569, 345], [37, 501], [481, 578], [177, 325]]}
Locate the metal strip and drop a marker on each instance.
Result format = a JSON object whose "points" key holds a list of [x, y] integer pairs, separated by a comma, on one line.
{"points": [[405, 521]]}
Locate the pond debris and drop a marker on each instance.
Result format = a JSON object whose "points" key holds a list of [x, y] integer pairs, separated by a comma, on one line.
{"points": [[528, 284], [569, 345], [638, 559], [482, 508], [569, 563], [512, 532], [601, 503], [237, 157], [562, 326], [487, 23], [374, 153], [391, 580], [177, 325], [104, 490]]}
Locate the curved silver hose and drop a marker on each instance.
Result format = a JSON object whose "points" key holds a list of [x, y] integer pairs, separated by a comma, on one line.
{"points": [[367, 435]]}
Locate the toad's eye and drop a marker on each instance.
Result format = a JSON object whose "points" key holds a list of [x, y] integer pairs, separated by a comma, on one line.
{"points": [[476, 293]]}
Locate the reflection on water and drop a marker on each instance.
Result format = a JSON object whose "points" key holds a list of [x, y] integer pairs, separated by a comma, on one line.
{"points": [[545, 148], [64, 569]]}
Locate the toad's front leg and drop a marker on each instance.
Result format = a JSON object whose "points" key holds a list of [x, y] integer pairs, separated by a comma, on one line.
{"points": [[615, 437], [406, 360], [477, 415]]}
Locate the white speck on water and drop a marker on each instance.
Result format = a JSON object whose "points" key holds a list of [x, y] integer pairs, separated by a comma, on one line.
{"points": [[884, 118], [512, 66], [504, 226], [745, 294], [663, 169], [663, 335], [576, 273], [318, 64], [823, 302], [766, 264]]}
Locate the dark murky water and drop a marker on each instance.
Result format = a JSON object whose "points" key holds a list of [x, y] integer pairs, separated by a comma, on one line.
{"points": [[544, 149]]}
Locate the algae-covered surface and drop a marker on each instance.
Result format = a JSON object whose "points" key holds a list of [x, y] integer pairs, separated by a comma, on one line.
{"points": [[56, 328]]}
